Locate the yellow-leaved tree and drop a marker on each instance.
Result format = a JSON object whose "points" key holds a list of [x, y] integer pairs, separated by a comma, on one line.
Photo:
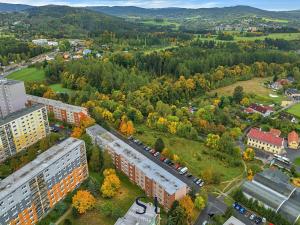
{"points": [[83, 200], [111, 183], [187, 204]]}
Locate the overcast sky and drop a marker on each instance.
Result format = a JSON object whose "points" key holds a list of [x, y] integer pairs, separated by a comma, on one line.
{"points": [[263, 4]]}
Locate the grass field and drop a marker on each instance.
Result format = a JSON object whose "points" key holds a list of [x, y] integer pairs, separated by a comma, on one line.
{"points": [[161, 23], [295, 110], [275, 20], [297, 161], [58, 88], [190, 152], [253, 86], [28, 74]]}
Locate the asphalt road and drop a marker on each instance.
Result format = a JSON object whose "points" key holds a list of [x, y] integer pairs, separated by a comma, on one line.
{"points": [[214, 206], [188, 181]]}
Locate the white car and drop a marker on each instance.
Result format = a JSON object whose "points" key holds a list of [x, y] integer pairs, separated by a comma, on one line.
{"points": [[205, 222]]}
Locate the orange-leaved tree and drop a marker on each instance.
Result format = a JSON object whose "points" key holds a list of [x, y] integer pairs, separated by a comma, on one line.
{"points": [[187, 204], [83, 200]]}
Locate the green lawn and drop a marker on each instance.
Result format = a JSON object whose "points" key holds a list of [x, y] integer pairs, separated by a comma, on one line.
{"points": [[124, 199], [295, 110], [28, 74], [190, 153], [60, 89], [297, 161]]}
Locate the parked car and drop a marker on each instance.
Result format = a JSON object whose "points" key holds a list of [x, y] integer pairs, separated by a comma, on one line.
{"points": [[242, 210], [189, 175], [179, 168], [258, 220], [176, 166], [156, 154], [205, 222], [130, 138], [183, 171], [236, 206], [247, 214], [152, 151], [201, 184], [252, 217], [162, 159], [195, 179]]}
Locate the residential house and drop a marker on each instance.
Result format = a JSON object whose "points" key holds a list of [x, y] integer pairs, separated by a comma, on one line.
{"points": [[260, 109], [293, 140], [287, 116], [293, 93], [267, 141]]}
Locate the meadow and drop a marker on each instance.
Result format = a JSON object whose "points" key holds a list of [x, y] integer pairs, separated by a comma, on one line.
{"points": [[28, 74], [295, 110]]}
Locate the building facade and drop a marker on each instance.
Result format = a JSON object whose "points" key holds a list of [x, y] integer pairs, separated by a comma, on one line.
{"points": [[293, 140], [12, 96], [22, 129], [32, 191], [132, 217], [153, 179], [266, 141], [61, 111]]}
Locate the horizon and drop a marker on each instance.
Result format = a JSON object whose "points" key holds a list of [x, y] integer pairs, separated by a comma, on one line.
{"points": [[277, 5]]}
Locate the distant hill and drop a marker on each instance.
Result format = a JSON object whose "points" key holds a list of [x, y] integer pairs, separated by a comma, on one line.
{"points": [[70, 22], [7, 7]]}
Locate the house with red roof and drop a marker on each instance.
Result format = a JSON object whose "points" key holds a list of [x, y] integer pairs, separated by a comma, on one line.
{"points": [[267, 141], [260, 109], [293, 140]]}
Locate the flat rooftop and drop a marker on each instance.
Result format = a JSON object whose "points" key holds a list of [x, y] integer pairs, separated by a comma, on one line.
{"points": [[9, 82], [55, 103], [132, 218], [20, 113], [152, 170], [233, 221], [30, 170]]}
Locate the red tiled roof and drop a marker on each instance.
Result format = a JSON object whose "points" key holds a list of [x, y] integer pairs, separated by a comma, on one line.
{"points": [[293, 136], [261, 109], [275, 132], [266, 137]]}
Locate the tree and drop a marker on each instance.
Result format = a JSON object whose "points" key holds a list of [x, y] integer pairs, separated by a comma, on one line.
{"points": [[212, 141], [50, 94], [200, 202], [245, 101], [187, 204], [178, 216], [95, 160], [159, 145], [250, 175], [111, 184], [249, 154], [83, 201], [238, 94]]}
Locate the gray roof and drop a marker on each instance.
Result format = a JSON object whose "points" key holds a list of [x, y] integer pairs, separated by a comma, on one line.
{"points": [[233, 221], [263, 194], [13, 116], [272, 187], [153, 171], [9, 82], [30, 170], [55, 103], [132, 218]]}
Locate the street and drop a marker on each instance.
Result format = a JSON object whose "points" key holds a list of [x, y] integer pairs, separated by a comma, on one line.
{"points": [[214, 206]]}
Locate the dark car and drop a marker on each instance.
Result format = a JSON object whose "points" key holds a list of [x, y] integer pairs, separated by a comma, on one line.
{"points": [[189, 175], [195, 179], [258, 220]]}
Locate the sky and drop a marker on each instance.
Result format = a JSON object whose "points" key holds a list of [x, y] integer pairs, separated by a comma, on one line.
{"points": [[277, 5]]}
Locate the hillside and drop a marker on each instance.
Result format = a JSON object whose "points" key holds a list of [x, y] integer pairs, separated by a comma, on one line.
{"points": [[70, 22], [6, 7]]}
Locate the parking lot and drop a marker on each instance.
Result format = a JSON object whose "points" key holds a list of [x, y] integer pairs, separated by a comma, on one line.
{"points": [[246, 216], [173, 168]]}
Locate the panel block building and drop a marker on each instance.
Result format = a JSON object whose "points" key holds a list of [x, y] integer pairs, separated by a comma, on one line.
{"points": [[22, 129], [12, 96], [64, 112], [153, 179], [32, 191]]}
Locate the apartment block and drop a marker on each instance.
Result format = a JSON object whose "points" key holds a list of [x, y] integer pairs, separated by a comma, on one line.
{"points": [[64, 112], [31, 192], [12, 96], [153, 179], [22, 129]]}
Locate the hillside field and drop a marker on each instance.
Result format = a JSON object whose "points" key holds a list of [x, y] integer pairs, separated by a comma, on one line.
{"points": [[295, 110], [28, 74]]}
